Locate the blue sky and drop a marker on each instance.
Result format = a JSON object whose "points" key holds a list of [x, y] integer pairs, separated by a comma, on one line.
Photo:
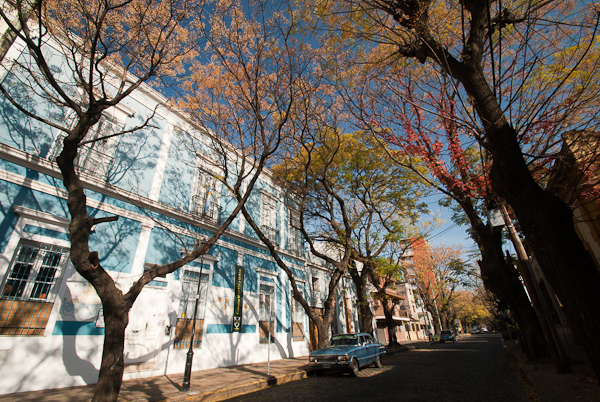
{"points": [[447, 233]]}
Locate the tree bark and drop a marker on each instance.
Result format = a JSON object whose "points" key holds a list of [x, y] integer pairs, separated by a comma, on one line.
{"points": [[546, 221], [110, 376], [502, 279], [87, 263], [365, 314], [429, 306], [323, 323], [388, 311]]}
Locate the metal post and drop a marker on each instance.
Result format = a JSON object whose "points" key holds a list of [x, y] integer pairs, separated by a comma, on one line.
{"points": [[187, 374], [538, 301], [270, 330]]}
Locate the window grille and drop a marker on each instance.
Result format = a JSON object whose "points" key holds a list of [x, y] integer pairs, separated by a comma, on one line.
{"points": [[268, 218], [183, 329], [265, 323], [297, 321], [29, 288], [295, 236], [205, 201]]}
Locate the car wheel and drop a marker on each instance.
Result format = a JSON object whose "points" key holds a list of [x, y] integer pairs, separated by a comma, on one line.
{"points": [[378, 362], [354, 367]]}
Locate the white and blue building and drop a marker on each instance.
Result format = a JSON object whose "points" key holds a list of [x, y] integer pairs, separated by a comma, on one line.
{"points": [[160, 183]]}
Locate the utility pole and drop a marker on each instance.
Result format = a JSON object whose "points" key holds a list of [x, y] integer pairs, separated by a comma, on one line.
{"points": [[537, 300]]}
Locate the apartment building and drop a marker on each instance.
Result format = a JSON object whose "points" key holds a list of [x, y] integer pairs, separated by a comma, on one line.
{"points": [[160, 183]]}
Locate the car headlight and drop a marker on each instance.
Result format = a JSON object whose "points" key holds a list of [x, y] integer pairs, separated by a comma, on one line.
{"points": [[343, 358], [312, 359]]}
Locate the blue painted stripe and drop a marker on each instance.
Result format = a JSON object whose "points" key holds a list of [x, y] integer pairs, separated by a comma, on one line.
{"points": [[158, 284], [46, 232], [226, 329], [267, 279], [197, 265], [76, 328]]}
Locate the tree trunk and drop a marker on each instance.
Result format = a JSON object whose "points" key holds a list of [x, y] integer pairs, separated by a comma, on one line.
{"points": [[87, 264], [445, 321], [436, 318], [502, 279], [546, 221], [110, 376], [365, 314], [322, 324], [388, 311]]}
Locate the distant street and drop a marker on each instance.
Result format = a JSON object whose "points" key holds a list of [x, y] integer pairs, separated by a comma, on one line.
{"points": [[476, 368]]}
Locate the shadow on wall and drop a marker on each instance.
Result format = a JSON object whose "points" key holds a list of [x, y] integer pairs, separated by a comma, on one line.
{"points": [[78, 366], [21, 131], [36, 349], [115, 242], [75, 365]]}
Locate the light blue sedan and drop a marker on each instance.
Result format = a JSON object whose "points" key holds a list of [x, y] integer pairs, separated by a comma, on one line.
{"points": [[347, 352]]}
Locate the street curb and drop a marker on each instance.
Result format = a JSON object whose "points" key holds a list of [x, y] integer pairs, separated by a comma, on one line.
{"points": [[246, 388], [226, 393], [398, 349], [520, 364]]}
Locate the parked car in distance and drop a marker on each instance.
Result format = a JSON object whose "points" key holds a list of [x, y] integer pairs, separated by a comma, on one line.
{"points": [[475, 330], [347, 352], [447, 336]]}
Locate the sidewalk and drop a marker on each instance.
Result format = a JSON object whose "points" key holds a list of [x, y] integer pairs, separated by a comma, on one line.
{"points": [[580, 385], [205, 385]]}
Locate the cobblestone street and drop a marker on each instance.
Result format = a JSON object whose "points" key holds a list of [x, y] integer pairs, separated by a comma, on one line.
{"points": [[476, 368]]}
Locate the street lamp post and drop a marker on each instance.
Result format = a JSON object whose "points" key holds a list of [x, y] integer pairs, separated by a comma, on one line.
{"points": [[187, 374], [270, 331]]}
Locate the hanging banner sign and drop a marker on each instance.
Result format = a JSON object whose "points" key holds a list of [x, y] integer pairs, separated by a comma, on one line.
{"points": [[238, 299]]}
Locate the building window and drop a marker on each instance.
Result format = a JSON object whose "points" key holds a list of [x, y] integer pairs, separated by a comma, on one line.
{"points": [[205, 199], [316, 285], [30, 287], [295, 236], [297, 321], [265, 308], [183, 329], [96, 158], [268, 217]]}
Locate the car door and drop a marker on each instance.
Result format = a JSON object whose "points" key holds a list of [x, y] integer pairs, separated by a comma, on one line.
{"points": [[361, 350], [370, 349]]}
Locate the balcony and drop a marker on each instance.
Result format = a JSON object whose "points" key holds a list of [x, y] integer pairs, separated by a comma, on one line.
{"points": [[398, 314], [208, 213]]}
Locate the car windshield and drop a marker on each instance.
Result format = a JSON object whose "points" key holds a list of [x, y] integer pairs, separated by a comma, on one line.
{"points": [[341, 340], [446, 333]]}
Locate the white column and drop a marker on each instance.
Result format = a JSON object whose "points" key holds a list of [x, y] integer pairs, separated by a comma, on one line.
{"points": [[161, 163], [140, 252]]}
